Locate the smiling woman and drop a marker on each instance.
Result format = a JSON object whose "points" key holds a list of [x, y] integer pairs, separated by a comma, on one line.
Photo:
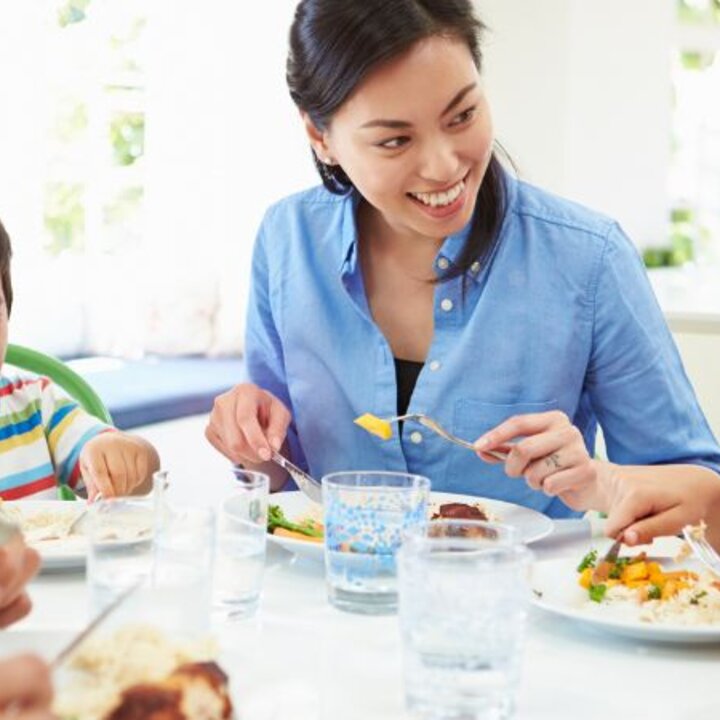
{"points": [[517, 319]]}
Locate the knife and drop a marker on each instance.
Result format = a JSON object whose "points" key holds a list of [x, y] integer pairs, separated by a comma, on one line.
{"points": [[93, 624]]}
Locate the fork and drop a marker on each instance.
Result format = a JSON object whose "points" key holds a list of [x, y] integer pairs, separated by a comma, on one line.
{"points": [[703, 550], [308, 484], [602, 568], [435, 426]]}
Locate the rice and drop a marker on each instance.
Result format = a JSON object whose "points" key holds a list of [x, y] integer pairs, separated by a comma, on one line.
{"points": [[696, 605], [106, 665], [41, 525]]}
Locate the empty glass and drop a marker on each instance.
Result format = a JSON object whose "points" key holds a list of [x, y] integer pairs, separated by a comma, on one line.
{"points": [[241, 543], [365, 515], [120, 547], [183, 567], [464, 594]]}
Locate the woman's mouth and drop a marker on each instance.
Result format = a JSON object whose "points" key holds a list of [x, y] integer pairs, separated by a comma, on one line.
{"points": [[441, 204]]}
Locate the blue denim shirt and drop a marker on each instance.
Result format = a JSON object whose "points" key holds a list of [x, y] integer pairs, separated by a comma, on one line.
{"points": [[561, 316]]}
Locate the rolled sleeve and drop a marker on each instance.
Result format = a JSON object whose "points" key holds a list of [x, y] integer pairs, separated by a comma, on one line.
{"points": [[638, 387]]}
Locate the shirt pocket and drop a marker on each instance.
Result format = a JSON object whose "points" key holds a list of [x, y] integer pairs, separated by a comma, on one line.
{"points": [[473, 418], [467, 474]]}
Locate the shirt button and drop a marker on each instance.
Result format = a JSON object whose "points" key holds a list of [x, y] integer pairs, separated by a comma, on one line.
{"points": [[443, 263], [446, 304], [475, 268], [435, 365], [416, 437]]}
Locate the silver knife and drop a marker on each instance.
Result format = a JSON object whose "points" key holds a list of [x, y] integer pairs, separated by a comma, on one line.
{"points": [[308, 484], [93, 624]]}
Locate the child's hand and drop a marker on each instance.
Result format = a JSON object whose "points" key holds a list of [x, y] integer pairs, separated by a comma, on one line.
{"points": [[115, 463]]}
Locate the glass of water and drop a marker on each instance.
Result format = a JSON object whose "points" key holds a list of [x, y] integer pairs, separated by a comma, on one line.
{"points": [[365, 516], [183, 567], [241, 543], [120, 547], [464, 594]]}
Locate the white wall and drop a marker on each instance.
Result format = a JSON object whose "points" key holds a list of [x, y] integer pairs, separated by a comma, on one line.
{"points": [[581, 97], [224, 140]]}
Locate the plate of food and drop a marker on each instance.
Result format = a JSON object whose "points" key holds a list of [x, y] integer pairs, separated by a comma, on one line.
{"points": [[637, 596], [295, 522], [45, 525], [138, 670]]}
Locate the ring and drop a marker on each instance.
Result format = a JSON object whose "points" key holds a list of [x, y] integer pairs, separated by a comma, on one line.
{"points": [[553, 461]]}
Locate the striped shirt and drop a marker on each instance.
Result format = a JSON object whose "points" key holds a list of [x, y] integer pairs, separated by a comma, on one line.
{"points": [[41, 436]]}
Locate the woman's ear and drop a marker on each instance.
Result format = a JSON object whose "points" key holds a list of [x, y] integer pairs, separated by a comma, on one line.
{"points": [[318, 140]]}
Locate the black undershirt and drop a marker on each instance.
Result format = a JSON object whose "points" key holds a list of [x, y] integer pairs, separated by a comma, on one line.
{"points": [[406, 375]]}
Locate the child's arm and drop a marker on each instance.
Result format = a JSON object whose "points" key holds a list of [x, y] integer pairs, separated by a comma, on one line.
{"points": [[116, 463]]}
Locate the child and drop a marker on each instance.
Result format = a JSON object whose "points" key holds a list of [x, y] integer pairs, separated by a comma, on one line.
{"points": [[47, 440]]}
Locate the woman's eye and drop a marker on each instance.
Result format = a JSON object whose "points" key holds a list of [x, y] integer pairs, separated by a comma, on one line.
{"points": [[393, 143], [463, 117]]}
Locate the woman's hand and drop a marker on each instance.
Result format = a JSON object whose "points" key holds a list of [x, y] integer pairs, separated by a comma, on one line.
{"points": [[25, 688], [116, 463], [551, 456], [646, 506], [247, 423], [18, 564]]}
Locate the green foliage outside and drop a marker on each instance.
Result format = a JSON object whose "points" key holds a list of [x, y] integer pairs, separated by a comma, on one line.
{"points": [[72, 11], [681, 246], [65, 216], [699, 11], [127, 135]]}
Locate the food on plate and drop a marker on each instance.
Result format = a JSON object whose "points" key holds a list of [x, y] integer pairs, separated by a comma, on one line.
{"points": [[375, 425], [43, 524], [304, 529], [196, 691], [139, 672], [674, 596], [460, 511], [311, 529]]}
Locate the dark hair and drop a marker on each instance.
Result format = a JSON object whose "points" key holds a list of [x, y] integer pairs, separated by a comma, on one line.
{"points": [[5, 255], [334, 44]]}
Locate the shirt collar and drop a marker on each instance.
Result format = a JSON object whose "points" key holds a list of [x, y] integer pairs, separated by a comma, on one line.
{"points": [[450, 249]]}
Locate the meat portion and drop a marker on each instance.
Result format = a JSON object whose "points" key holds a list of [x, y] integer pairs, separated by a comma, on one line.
{"points": [[194, 691], [460, 511]]}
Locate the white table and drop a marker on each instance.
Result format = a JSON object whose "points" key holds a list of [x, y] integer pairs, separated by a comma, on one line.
{"points": [[301, 659]]}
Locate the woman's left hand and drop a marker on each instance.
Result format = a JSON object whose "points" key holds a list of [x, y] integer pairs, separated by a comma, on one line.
{"points": [[550, 455]]}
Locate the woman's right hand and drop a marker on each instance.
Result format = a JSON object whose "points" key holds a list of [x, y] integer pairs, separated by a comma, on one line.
{"points": [[25, 688], [247, 423], [18, 564]]}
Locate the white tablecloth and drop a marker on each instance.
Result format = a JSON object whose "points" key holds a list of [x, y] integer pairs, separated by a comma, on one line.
{"points": [[301, 659]]}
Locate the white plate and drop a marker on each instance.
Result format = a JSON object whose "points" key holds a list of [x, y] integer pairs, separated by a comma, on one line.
{"points": [[61, 554], [556, 581], [532, 524]]}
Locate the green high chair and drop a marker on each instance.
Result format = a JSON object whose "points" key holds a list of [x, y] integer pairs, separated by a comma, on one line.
{"points": [[73, 384]]}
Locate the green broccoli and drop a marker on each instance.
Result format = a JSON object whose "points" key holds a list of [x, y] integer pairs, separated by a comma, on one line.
{"points": [[277, 519]]}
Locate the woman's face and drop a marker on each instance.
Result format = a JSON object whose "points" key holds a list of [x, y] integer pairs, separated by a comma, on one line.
{"points": [[416, 138]]}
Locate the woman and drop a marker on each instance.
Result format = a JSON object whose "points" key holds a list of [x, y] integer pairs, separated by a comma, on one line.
{"points": [[423, 277]]}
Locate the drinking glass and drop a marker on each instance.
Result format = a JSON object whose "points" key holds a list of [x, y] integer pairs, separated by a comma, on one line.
{"points": [[365, 514], [183, 567], [120, 547], [241, 543], [464, 593]]}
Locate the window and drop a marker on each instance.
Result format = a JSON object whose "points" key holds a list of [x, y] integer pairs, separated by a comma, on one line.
{"points": [[695, 166], [93, 189]]}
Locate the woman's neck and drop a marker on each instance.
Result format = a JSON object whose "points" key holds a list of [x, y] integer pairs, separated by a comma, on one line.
{"points": [[384, 242]]}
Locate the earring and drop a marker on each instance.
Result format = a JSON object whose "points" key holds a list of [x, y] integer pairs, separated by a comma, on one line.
{"points": [[329, 161]]}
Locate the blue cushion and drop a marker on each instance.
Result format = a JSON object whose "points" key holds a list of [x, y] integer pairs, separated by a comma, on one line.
{"points": [[154, 389]]}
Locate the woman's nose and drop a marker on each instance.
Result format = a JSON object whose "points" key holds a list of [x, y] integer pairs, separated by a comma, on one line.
{"points": [[439, 163]]}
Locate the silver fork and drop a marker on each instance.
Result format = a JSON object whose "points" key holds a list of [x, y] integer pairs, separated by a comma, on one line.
{"points": [[435, 426], [308, 484], [703, 550]]}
